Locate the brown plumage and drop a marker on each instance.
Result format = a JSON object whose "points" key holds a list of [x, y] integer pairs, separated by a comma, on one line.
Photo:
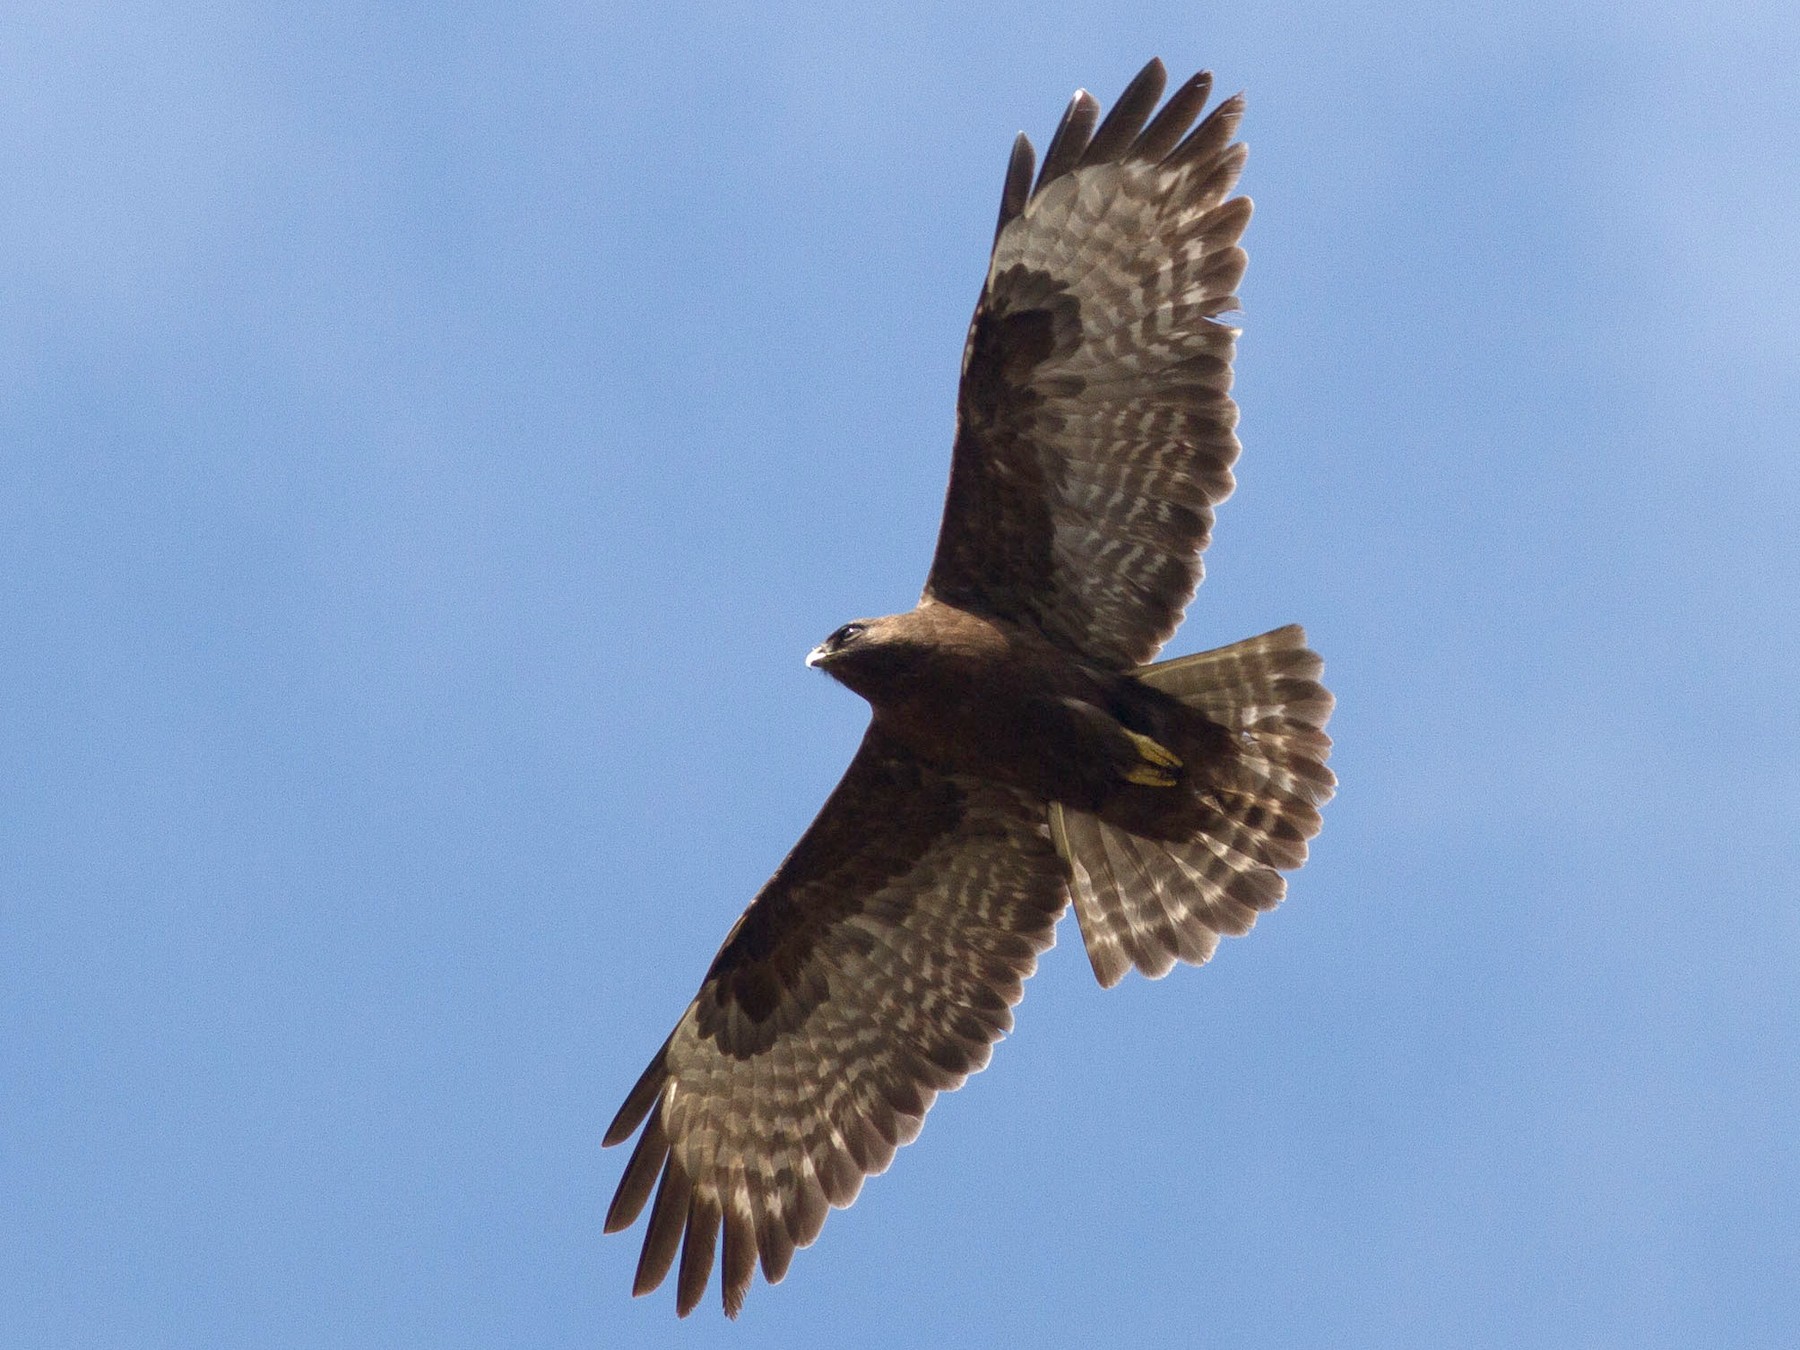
{"points": [[1020, 752]]}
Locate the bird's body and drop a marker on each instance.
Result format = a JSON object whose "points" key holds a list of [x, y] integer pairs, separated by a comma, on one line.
{"points": [[1020, 754], [969, 694]]}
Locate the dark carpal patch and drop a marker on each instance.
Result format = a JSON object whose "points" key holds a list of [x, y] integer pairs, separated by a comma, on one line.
{"points": [[762, 983]]}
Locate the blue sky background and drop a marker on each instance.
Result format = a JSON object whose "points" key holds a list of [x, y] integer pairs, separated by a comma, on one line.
{"points": [[430, 438]]}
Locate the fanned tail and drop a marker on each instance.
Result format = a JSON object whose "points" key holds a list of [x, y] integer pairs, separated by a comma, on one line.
{"points": [[1150, 902]]}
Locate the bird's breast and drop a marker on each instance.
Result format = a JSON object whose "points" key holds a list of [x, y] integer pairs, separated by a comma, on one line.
{"points": [[1027, 725]]}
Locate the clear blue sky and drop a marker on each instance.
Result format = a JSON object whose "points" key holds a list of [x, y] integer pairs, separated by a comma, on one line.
{"points": [[430, 439]]}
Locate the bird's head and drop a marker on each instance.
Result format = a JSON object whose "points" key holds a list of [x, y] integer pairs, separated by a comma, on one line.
{"points": [[841, 645], [864, 654]]}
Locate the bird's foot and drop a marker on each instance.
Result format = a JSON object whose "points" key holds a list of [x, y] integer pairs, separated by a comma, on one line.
{"points": [[1156, 767]]}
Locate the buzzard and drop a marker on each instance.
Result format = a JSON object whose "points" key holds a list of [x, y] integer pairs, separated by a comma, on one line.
{"points": [[1021, 752]]}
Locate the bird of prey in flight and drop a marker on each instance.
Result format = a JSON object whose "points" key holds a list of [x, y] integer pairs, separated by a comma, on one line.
{"points": [[1022, 752]]}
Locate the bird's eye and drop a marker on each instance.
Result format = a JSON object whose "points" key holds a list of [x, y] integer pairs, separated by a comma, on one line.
{"points": [[848, 633]]}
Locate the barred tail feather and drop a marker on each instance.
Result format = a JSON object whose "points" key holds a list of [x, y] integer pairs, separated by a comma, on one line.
{"points": [[1147, 903]]}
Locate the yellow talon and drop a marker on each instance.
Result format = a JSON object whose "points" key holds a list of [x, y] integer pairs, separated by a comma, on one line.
{"points": [[1148, 775], [1155, 764], [1151, 752]]}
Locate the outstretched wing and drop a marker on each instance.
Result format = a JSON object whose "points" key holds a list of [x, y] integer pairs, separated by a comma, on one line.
{"points": [[1095, 428], [873, 971]]}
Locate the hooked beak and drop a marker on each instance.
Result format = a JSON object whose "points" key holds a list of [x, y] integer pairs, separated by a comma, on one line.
{"points": [[816, 657]]}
